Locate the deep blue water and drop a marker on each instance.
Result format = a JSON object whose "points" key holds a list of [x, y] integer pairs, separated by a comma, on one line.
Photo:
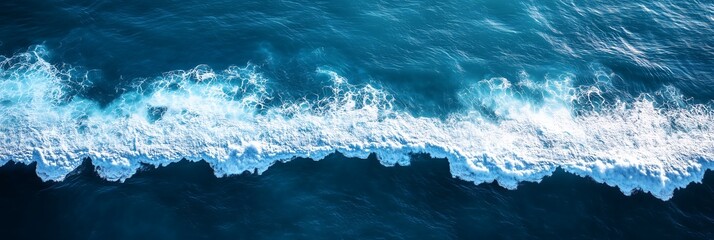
{"points": [[609, 104], [339, 198]]}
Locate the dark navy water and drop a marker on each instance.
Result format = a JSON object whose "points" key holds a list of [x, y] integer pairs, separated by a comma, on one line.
{"points": [[339, 198], [452, 119]]}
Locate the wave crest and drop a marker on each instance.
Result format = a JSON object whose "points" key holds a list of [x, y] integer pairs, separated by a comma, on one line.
{"points": [[510, 132]]}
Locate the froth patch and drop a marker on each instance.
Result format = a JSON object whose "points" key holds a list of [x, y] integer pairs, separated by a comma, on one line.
{"points": [[506, 135]]}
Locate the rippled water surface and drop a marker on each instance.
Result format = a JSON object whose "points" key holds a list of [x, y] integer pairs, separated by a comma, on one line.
{"points": [[595, 93]]}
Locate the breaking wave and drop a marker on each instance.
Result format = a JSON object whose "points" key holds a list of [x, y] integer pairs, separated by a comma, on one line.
{"points": [[509, 131]]}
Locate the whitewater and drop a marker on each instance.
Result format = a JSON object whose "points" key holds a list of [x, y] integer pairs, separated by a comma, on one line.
{"points": [[511, 130]]}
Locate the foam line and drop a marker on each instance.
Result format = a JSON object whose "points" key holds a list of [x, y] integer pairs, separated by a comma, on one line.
{"points": [[510, 132]]}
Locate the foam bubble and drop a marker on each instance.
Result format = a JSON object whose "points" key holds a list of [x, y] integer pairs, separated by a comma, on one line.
{"points": [[512, 131]]}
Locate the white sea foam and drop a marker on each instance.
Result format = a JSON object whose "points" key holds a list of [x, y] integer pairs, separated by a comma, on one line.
{"points": [[506, 134]]}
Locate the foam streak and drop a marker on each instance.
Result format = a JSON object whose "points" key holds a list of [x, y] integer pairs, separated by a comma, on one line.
{"points": [[202, 114]]}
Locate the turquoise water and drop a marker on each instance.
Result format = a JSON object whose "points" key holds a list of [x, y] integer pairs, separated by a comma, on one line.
{"points": [[507, 92]]}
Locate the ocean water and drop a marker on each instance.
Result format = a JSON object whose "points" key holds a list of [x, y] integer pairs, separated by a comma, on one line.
{"points": [[427, 119], [339, 198]]}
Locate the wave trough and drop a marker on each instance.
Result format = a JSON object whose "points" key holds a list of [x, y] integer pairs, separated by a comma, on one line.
{"points": [[510, 130]]}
